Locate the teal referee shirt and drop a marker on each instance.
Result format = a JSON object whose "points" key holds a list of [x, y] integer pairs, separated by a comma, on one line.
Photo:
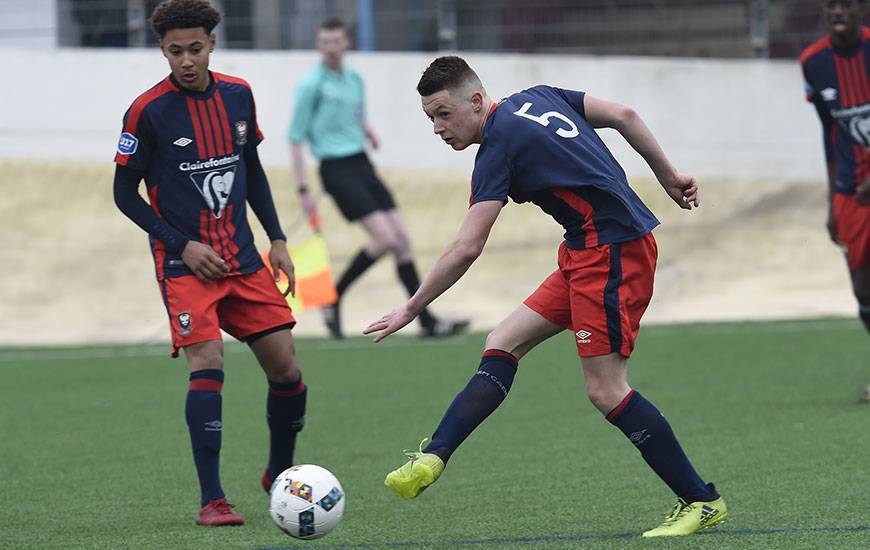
{"points": [[329, 113]]}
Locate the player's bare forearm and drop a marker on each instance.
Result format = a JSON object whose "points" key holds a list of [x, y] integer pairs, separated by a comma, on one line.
{"points": [[298, 161], [280, 260], [607, 114], [641, 139], [450, 267], [370, 134]]}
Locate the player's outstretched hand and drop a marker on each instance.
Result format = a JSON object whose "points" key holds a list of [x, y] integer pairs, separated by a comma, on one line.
{"points": [[683, 190], [390, 323], [205, 263], [280, 260]]}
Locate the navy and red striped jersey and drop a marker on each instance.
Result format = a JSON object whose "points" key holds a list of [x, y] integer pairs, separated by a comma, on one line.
{"points": [[191, 148], [538, 147], [837, 84]]}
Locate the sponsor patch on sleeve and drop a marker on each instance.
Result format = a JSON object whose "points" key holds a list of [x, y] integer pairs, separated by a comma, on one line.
{"points": [[128, 143]]}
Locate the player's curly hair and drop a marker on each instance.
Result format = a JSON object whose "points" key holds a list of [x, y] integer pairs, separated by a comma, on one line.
{"points": [[448, 72], [184, 14]]}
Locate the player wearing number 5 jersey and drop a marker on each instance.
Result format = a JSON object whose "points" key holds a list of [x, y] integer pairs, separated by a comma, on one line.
{"points": [[540, 146], [193, 138]]}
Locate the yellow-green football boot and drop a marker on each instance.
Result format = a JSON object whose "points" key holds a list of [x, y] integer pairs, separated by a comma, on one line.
{"points": [[421, 471], [686, 519]]}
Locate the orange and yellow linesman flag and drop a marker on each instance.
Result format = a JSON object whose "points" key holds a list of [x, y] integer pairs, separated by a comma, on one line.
{"points": [[314, 285]]}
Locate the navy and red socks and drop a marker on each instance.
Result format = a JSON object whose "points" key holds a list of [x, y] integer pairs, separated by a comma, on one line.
{"points": [[203, 413], [285, 415], [481, 396], [649, 431]]}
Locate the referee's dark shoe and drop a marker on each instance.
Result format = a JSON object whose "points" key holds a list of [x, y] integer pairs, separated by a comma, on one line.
{"points": [[442, 328], [333, 320]]}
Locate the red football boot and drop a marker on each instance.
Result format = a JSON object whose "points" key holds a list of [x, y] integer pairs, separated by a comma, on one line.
{"points": [[219, 512], [266, 481]]}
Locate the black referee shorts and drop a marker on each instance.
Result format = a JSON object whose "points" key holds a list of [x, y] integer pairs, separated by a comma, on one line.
{"points": [[353, 184]]}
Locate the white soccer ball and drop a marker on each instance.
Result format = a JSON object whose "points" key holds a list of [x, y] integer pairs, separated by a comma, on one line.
{"points": [[306, 501]]}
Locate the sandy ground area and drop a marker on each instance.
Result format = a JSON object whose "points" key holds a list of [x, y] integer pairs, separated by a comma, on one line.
{"points": [[77, 271]]}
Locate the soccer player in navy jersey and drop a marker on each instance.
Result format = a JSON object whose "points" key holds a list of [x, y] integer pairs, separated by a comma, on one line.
{"points": [[540, 146], [836, 72], [193, 138]]}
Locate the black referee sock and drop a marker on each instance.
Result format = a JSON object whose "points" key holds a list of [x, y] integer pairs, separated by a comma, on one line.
{"points": [[483, 394], [360, 263], [408, 275], [647, 429]]}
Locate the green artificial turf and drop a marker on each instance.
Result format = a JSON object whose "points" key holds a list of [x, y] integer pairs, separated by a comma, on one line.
{"points": [[94, 450]]}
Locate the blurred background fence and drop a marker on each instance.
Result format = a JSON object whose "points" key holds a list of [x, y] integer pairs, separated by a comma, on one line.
{"points": [[689, 28], [756, 249]]}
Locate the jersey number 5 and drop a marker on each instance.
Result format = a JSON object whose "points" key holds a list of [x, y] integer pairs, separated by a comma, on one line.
{"points": [[544, 120]]}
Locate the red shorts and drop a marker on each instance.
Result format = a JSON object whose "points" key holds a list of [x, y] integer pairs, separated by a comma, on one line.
{"points": [[241, 305], [853, 229], [600, 293]]}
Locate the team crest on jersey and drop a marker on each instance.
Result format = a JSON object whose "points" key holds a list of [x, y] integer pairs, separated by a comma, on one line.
{"points": [[185, 324], [242, 132], [128, 143], [215, 187]]}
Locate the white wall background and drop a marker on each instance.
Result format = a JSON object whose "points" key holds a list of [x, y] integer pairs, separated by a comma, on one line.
{"points": [[717, 119], [30, 23]]}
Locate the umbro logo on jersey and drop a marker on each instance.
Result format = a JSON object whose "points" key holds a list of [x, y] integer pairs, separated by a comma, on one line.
{"points": [[182, 142], [829, 94], [583, 336]]}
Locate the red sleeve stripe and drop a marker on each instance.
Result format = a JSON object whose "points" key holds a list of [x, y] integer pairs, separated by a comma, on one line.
{"points": [[197, 128], [143, 100], [220, 77], [813, 49], [225, 122]]}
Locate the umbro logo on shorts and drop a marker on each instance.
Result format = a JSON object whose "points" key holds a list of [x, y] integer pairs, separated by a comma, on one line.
{"points": [[213, 426], [182, 142], [583, 336]]}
